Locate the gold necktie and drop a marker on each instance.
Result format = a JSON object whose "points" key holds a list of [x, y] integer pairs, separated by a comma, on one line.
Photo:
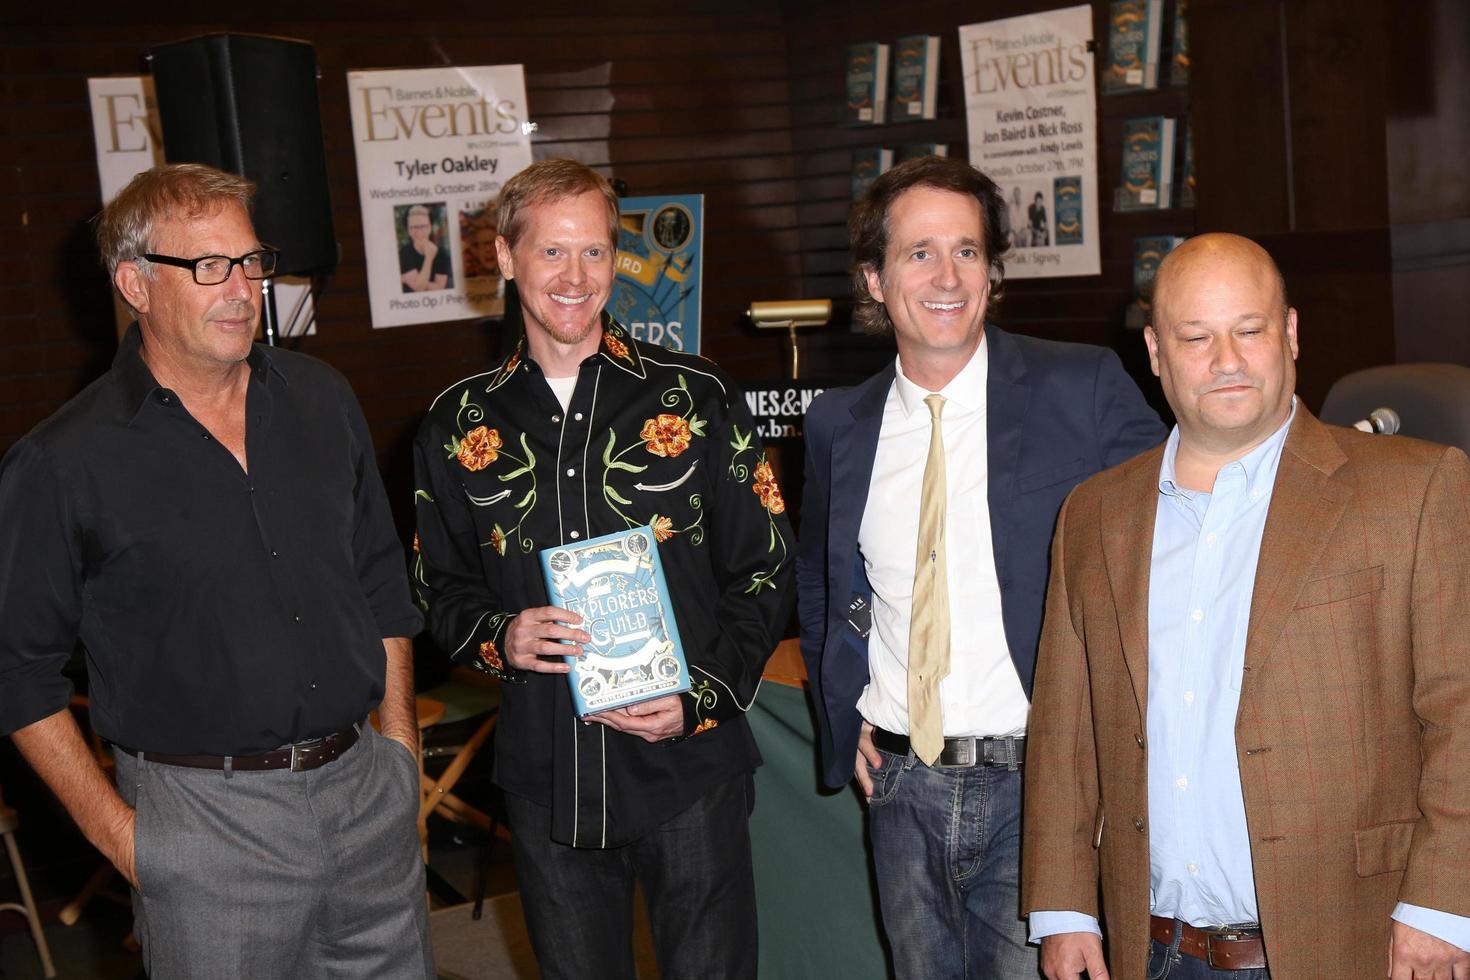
{"points": [[929, 611]]}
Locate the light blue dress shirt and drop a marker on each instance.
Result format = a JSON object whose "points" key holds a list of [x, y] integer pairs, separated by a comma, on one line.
{"points": [[1205, 551]]}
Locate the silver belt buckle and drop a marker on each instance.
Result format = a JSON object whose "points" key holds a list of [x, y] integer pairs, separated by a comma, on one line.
{"points": [[295, 757], [962, 752]]}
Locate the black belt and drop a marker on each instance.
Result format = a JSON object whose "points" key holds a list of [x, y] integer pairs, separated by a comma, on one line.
{"points": [[311, 754], [1008, 751]]}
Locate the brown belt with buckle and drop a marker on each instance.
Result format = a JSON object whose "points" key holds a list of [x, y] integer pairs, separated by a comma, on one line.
{"points": [[1223, 949], [311, 754]]}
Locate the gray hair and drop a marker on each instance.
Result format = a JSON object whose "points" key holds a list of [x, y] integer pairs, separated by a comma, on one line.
{"points": [[178, 190]]}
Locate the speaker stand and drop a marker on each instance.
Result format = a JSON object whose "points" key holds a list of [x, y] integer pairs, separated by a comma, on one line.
{"points": [[270, 322]]}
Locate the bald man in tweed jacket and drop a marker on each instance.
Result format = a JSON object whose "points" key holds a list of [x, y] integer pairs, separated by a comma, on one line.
{"points": [[1345, 677]]}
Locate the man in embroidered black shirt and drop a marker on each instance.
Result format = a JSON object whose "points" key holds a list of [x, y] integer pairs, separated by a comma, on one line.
{"points": [[206, 520], [584, 431]]}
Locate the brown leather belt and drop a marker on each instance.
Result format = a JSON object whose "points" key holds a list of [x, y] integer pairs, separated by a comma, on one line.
{"points": [[1223, 949], [1009, 751], [311, 754]]}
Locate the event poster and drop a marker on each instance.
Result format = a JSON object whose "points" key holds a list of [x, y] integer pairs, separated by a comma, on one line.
{"points": [[1032, 120], [434, 146], [656, 294], [128, 134]]}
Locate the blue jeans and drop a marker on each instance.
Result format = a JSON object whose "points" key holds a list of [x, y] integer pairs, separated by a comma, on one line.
{"points": [[1167, 963], [947, 849]]}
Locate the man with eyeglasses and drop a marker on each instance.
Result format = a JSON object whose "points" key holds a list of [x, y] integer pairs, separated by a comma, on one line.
{"points": [[206, 522]]}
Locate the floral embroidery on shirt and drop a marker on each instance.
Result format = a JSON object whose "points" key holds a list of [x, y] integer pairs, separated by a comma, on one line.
{"points": [[663, 528], [765, 488], [667, 435], [615, 346], [491, 656], [763, 483], [477, 449], [705, 699]]}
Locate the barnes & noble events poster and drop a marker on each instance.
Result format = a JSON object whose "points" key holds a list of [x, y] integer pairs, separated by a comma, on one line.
{"points": [[1032, 120], [434, 146]]}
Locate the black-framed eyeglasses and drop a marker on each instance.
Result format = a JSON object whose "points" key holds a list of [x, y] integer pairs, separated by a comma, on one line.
{"points": [[211, 270]]}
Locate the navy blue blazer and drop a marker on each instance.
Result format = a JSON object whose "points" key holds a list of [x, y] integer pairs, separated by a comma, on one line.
{"points": [[1057, 413]]}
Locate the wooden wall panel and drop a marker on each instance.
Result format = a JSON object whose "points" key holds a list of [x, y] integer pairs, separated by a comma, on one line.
{"points": [[699, 103]]}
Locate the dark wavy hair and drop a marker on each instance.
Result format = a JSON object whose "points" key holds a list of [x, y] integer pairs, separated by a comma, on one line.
{"points": [[868, 227]]}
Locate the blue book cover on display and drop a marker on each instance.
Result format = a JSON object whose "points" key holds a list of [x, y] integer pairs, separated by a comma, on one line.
{"points": [[1148, 163], [867, 164], [657, 291], [616, 584], [1067, 206], [866, 82], [915, 77], [1134, 28]]}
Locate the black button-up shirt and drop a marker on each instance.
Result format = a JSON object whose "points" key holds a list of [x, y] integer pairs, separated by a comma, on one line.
{"points": [[222, 612], [651, 437]]}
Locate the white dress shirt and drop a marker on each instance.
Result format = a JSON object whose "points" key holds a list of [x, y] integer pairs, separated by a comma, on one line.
{"points": [[982, 695]]}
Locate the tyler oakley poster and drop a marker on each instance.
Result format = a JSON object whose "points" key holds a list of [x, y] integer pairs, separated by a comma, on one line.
{"points": [[434, 146], [1032, 119]]}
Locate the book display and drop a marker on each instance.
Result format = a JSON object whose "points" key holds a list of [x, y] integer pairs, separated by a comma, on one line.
{"points": [[1148, 252], [912, 151], [1179, 50], [1148, 164], [616, 584], [915, 77], [867, 164], [1134, 31], [867, 84]]}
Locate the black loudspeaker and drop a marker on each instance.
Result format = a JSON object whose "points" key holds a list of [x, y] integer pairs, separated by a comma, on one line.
{"points": [[248, 104]]}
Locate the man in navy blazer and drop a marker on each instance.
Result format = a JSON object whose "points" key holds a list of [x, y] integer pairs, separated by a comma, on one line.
{"points": [[1018, 422]]}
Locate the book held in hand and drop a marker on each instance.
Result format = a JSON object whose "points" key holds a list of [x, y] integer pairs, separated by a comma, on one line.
{"points": [[866, 83], [1148, 163], [915, 77], [616, 584], [1134, 29]]}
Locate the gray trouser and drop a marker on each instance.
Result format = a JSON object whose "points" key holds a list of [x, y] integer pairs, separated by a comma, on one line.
{"points": [[267, 875]]}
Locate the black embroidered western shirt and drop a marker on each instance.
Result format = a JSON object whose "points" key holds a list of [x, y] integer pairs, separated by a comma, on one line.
{"points": [[222, 612], [652, 437]]}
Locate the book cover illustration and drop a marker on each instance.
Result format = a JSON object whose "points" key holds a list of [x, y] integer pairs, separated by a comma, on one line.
{"points": [[915, 77], [866, 83], [867, 164], [913, 151], [1067, 206], [616, 584], [1148, 163], [657, 292], [1133, 45], [1179, 50], [1148, 252]]}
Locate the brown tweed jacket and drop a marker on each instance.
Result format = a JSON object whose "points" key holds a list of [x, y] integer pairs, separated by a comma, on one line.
{"points": [[1353, 736]]}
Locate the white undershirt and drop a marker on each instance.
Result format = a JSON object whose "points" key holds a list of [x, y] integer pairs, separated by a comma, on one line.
{"points": [[982, 695], [562, 388]]}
